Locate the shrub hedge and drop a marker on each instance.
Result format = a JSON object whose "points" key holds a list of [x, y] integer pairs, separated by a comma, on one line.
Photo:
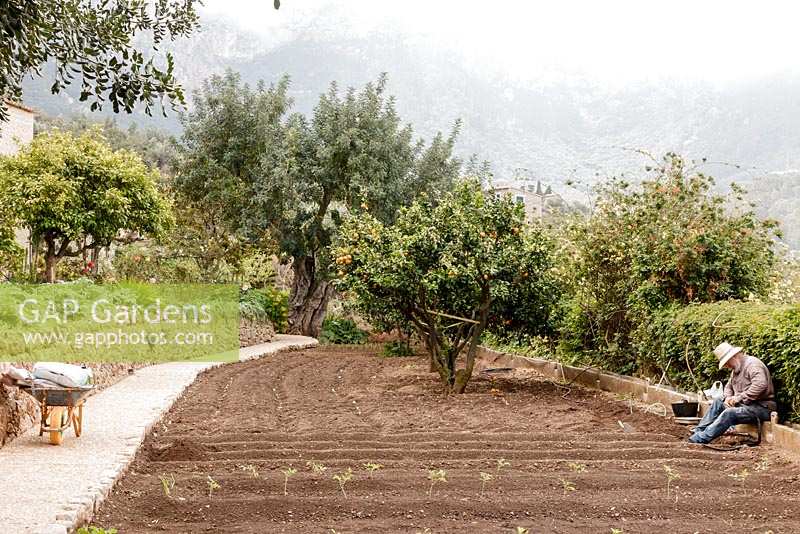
{"points": [[689, 334]]}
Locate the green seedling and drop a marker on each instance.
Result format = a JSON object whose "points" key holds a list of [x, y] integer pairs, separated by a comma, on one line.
{"points": [[672, 476], [372, 467], [287, 473], [316, 467], [502, 463], [485, 477], [167, 484], [577, 468], [521, 530], [343, 478], [436, 475], [212, 485], [250, 468], [616, 531], [763, 464], [567, 485], [96, 530], [741, 476]]}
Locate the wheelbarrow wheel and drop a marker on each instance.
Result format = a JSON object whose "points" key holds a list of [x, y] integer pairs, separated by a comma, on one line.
{"points": [[56, 420]]}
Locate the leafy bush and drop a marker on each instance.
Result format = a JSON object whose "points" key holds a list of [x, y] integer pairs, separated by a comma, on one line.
{"points": [[399, 348], [148, 262], [266, 303], [668, 241], [450, 266], [96, 530], [341, 331], [769, 332]]}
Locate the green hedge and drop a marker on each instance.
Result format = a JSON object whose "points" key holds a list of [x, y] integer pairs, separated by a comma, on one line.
{"points": [[769, 332]]}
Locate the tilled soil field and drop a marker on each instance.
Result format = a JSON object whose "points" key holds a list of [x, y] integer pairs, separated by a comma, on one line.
{"points": [[559, 459]]}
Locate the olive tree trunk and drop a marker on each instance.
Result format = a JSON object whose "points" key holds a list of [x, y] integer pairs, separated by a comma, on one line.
{"points": [[308, 301]]}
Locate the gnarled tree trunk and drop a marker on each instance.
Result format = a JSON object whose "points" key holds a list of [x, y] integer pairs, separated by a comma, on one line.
{"points": [[309, 298]]}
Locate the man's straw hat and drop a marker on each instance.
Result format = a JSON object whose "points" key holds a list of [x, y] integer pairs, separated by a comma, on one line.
{"points": [[726, 351]]}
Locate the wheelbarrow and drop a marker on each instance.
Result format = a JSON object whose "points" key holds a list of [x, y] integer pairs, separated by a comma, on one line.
{"points": [[61, 408]]}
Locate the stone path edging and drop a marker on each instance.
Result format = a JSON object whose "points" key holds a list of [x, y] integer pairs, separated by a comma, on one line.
{"points": [[781, 436], [54, 490]]}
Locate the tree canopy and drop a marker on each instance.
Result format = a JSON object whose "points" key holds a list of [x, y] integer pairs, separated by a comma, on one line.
{"points": [[94, 41], [450, 266], [76, 194], [288, 179]]}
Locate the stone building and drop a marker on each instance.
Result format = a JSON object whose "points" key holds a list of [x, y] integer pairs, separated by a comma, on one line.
{"points": [[18, 130], [537, 200]]}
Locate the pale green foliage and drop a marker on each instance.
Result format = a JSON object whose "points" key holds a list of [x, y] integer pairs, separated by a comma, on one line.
{"points": [[672, 476], [502, 463], [96, 530], [251, 469], [485, 477], [212, 484], [288, 472], [436, 476], [740, 476], [343, 478], [463, 255], [167, 484], [76, 194], [577, 468], [567, 486], [290, 179], [316, 467], [372, 467]]}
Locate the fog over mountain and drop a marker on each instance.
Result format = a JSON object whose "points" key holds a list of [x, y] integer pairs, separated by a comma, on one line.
{"points": [[556, 129]]}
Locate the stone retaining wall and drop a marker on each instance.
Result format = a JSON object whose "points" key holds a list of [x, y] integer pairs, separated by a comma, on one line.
{"points": [[779, 435]]}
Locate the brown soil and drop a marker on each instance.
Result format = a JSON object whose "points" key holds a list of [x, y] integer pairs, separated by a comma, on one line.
{"points": [[572, 467]]}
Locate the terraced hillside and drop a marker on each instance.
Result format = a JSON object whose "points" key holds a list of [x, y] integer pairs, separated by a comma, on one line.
{"points": [[571, 465]]}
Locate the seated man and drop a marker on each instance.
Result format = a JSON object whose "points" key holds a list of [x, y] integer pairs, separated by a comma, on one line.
{"points": [[749, 395]]}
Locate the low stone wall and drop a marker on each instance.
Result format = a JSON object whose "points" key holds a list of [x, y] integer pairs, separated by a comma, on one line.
{"points": [[255, 333], [779, 435]]}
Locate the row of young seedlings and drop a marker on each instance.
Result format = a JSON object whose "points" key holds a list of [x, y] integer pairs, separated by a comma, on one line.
{"points": [[435, 476]]}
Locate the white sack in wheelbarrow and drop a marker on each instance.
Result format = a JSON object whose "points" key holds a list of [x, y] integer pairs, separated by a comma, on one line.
{"points": [[64, 374]]}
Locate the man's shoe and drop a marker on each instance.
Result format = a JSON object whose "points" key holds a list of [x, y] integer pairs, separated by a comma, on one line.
{"points": [[694, 439]]}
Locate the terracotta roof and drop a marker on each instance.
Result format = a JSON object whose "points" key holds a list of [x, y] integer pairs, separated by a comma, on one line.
{"points": [[19, 106]]}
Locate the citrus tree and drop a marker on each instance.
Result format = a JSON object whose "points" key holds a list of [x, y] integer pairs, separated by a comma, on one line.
{"points": [[669, 240], [449, 266], [75, 194]]}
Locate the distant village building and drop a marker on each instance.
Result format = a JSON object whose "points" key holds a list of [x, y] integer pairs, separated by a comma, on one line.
{"points": [[538, 201], [17, 132]]}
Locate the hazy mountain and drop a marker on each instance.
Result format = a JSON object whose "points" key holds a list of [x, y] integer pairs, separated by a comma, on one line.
{"points": [[556, 131]]}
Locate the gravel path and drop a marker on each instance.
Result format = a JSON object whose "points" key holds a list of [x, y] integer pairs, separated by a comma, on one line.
{"points": [[47, 489]]}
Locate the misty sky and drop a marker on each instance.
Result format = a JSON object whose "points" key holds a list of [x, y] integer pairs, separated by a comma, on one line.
{"points": [[610, 41]]}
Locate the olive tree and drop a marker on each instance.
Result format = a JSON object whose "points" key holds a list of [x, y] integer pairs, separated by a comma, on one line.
{"points": [[289, 179], [450, 264], [75, 194]]}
